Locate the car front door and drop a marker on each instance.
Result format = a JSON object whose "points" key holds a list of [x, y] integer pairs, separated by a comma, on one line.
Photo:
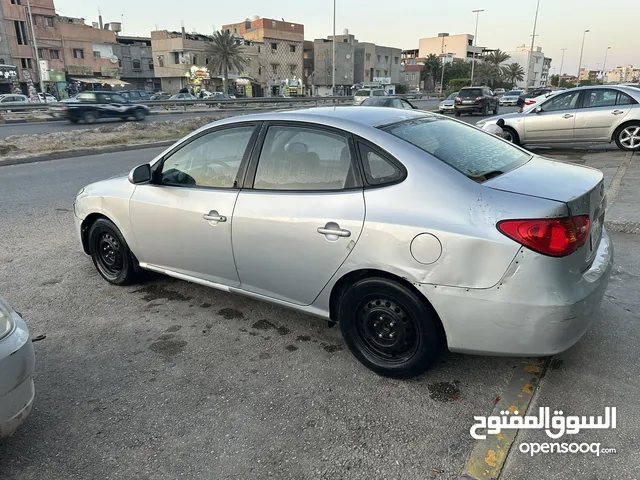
{"points": [[113, 105], [182, 221], [303, 215], [555, 121], [602, 111]]}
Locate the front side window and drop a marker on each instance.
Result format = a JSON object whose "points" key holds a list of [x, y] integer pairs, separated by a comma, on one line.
{"points": [[362, 93], [566, 101], [304, 159], [87, 97], [212, 160], [474, 153]]}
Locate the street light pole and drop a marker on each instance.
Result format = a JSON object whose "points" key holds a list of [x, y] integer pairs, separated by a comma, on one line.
{"points": [[35, 48], [533, 40], [475, 42], [333, 53], [442, 53], [562, 62], [581, 51], [604, 64]]}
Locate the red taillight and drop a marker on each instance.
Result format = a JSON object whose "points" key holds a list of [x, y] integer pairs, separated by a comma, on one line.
{"points": [[555, 237], [529, 102]]}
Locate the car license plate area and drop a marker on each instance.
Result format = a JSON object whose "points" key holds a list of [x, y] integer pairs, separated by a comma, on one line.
{"points": [[467, 101]]}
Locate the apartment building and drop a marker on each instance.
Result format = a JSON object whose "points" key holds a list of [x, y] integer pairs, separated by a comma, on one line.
{"points": [[308, 65], [536, 64], [625, 74], [460, 46], [344, 63], [587, 75], [410, 76], [135, 60], [281, 50]]}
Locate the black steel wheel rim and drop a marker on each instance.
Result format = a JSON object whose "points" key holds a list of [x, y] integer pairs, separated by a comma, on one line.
{"points": [[109, 255], [386, 330]]}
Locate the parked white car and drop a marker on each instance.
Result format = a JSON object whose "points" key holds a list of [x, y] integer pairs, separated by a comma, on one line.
{"points": [[13, 99], [42, 96], [17, 362]]}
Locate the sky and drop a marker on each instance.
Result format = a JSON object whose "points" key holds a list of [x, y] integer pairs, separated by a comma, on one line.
{"points": [[503, 24]]}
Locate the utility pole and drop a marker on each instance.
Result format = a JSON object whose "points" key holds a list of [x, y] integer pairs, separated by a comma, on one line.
{"points": [[581, 52], [475, 42], [442, 53], [533, 40], [604, 64], [561, 64], [333, 53], [35, 48]]}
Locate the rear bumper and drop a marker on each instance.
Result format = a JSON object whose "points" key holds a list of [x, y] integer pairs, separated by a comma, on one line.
{"points": [[508, 102], [17, 391], [522, 316], [446, 108], [469, 108]]}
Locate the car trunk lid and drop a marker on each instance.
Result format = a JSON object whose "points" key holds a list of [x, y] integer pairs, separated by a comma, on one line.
{"points": [[580, 188]]}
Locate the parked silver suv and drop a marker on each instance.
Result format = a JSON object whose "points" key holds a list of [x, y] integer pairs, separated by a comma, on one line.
{"points": [[361, 95]]}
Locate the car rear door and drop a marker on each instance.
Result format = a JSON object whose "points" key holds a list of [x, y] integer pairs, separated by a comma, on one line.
{"points": [[555, 122], [602, 111], [182, 221], [303, 214]]}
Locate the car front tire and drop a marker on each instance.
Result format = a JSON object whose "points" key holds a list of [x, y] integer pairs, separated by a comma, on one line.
{"points": [[89, 117], [457, 113], [139, 114], [511, 135], [110, 253], [389, 328]]}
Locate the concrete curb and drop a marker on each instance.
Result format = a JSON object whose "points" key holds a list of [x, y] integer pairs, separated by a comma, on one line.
{"points": [[489, 456], [86, 153], [622, 227]]}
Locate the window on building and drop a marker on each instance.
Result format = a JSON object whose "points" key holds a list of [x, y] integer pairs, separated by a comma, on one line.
{"points": [[378, 58], [48, 21], [258, 48], [15, 2], [176, 58], [386, 72], [96, 54], [54, 54], [41, 53], [413, 76], [2, 61], [292, 69], [137, 65], [406, 77], [259, 70], [21, 32], [161, 60], [273, 23], [377, 73], [26, 63], [78, 53], [386, 59], [150, 65], [292, 48], [274, 46], [368, 57], [395, 60], [274, 67]]}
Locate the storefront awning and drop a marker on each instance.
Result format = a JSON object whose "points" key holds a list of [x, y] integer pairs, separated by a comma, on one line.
{"points": [[109, 81]]}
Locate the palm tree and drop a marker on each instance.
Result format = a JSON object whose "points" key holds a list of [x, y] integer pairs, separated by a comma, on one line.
{"points": [[514, 73], [497, 57], [432, 68], [226, 54]]}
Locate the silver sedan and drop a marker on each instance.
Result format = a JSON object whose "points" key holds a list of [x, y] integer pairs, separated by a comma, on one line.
{"points": [[413, 231], [594, 114]]}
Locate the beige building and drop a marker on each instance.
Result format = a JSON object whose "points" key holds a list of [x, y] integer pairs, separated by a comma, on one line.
{"points": [[281, 49], [626, 74], [588, 75], [461, 46], [535, 66]]}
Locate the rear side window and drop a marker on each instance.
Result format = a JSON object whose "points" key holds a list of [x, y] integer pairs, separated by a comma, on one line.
{"points": [[472, 152], [470, 93], [362, 93], [378, 93], [377, 169]]}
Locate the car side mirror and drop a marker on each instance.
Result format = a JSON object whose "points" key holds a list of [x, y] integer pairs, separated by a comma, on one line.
{"points": [[538, 109], [140, 175]]}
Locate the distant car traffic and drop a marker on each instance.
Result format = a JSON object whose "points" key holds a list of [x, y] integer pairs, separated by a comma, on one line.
{"points": [[368, 217], [71, 99], [476, 100], [448, 104], [17, 362], [529, 101], [510, 98], [91, 106], [41, 97], [392, 102], [590, 114], [182, 96], [135, 95], [12, 99], [365, 93], [499, 91], [160, 96]]}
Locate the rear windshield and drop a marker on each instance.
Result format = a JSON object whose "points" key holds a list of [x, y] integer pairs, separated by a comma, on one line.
{"points": [[362, 93], [476, 154], [471, 92], [378, 93], [513, 93], [371, 102]]}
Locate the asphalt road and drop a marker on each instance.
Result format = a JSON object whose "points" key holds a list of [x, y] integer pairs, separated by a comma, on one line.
{"points": [[168, 379]]}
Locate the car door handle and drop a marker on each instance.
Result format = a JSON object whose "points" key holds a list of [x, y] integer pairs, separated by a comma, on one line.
{"points": [[213, 216], [617, 112], [334, 231], [567, 115]]}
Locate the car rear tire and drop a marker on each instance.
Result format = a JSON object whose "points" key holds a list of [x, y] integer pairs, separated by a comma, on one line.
{"points": [[389, 328], [73, 120], [458, 113], [89, 117], [110, 253], [511, 135], [139, 114], [485, 110], [627, 137]]}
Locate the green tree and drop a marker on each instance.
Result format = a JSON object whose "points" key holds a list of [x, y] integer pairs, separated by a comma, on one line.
{"points": [[226, 54], [497, 57], [513, 73], [431, 71], [455, 84], [401, 89], [555, 80], [456, 70]]}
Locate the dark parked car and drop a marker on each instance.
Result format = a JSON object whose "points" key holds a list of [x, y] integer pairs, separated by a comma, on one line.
{"points": [[392, 102], [476, 99], [136, 95], [94, 105]]}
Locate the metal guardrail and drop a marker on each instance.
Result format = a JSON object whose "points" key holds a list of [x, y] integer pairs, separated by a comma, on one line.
{"points": [[221, 103]]}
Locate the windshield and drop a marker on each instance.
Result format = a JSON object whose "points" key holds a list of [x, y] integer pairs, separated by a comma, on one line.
{"points": [[470, 93], [362, 93], [452, 96], [513, 93], [474, 153]]}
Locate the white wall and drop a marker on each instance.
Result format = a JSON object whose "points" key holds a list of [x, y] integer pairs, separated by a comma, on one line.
{"points": [[105, 49]]}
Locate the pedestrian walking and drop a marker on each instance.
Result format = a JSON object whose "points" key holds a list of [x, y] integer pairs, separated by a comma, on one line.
{"points": [[520, 103]]}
